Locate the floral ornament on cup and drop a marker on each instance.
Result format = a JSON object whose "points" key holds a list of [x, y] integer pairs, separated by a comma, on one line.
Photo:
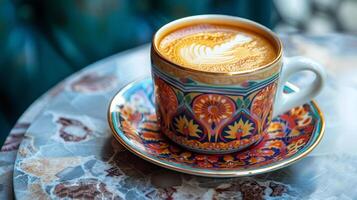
{"points": [[187, 127], [262, 104], [240, 129], [213, 110], [167, 101]]}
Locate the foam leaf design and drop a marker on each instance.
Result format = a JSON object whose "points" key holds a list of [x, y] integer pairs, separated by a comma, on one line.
{"points": [[198, 54]]}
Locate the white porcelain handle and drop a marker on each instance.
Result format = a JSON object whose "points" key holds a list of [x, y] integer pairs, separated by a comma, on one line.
{"points": [[285, 102]]}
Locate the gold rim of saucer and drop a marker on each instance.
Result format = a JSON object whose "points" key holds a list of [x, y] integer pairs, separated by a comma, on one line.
{"points": [[225, 19], [216, 174]]}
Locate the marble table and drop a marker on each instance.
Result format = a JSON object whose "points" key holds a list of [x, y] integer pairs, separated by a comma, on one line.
{"points": [[62, 146]]}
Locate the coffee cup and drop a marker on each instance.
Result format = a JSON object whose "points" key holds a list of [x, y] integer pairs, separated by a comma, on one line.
{"points": [[219, 82]]}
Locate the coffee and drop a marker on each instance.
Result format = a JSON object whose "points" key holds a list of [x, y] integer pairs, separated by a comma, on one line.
{"points": [[216, 48]]}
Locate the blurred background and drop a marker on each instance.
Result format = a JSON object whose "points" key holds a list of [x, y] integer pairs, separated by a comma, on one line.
{"points": [[42, 42]]}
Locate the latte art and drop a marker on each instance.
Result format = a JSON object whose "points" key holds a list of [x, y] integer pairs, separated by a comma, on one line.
{"points": [[197, 54], [216, 48]]}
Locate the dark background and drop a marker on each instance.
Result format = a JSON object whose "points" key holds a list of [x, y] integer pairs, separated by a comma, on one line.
{"points": [[42, 42]]}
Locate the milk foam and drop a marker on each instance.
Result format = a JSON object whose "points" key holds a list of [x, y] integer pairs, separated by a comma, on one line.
{"points": [[198, 54], [216, 48]]}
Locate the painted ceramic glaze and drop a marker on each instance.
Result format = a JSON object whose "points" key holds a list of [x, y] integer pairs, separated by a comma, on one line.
{"points": [[288, 137], [210, 118]]}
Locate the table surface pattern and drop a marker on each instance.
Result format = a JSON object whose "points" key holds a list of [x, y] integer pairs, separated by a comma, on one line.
{"points": [[62, 146]]}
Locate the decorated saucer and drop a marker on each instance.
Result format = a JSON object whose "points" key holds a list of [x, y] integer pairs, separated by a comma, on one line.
{"points": [[290, 137]]}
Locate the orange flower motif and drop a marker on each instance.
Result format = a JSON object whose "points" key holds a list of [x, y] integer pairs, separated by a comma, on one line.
{"points": [[275, 126], [278, 144], [204, 164], [158, 148], [243, 156], [151, 117], [207, 158], [130, 131], [254, 160], [183, 157], [153, 126], [240, 129], [130, 114], [266, 152], [295, 146], [151, 136], [185, 154], [294, 132], [213, 108], [187, 127], [301, 116], [275, 130], [212, 158], [200, 157], [228, 158]]}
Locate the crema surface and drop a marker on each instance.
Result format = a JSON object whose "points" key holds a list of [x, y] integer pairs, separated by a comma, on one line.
{"points": [[216, 48]]}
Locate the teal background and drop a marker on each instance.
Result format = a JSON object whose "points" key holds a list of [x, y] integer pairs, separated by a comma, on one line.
{"points": [[42, 42]]}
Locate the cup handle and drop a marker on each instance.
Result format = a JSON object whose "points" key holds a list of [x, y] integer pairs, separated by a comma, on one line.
{"points": [[285, 102]]}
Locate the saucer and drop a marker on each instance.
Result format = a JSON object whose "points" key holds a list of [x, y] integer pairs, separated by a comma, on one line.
{"points": [[290, 137]]}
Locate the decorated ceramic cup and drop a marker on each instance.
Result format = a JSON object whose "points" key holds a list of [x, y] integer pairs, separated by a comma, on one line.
{"points": [[215, 112]]}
